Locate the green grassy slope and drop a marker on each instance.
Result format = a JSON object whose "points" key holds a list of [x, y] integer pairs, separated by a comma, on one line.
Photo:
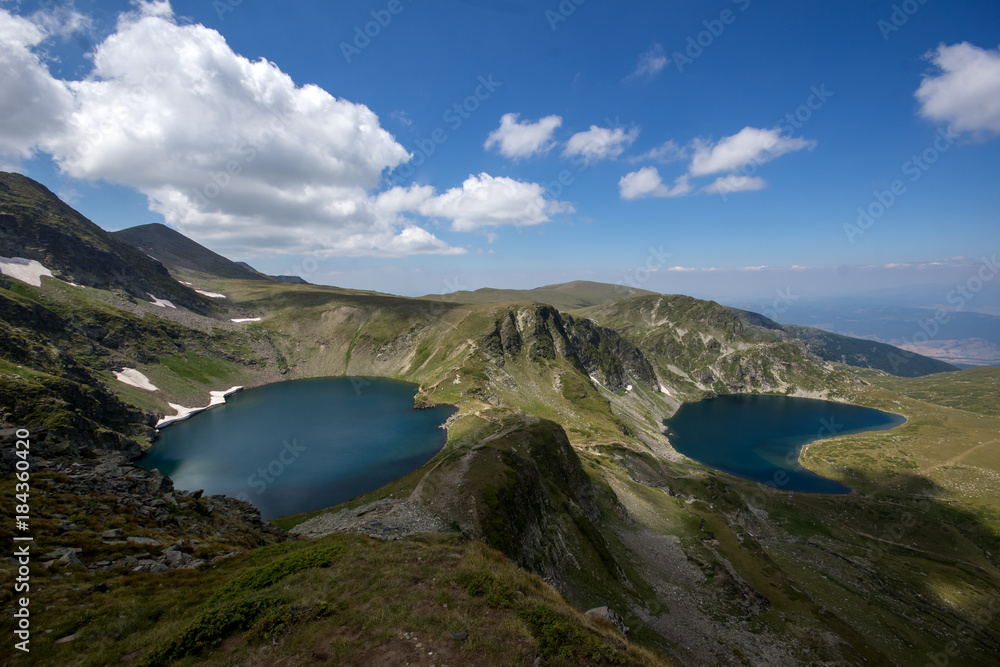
{"points": [[846, 350], [553, 460], [340, 600], [564, 296]]}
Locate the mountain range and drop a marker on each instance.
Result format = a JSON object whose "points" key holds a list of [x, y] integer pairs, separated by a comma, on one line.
{"points": [[560, 487]]}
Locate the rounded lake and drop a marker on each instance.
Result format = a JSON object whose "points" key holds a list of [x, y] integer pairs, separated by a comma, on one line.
{"points": [[302, 445], [759, 437]]}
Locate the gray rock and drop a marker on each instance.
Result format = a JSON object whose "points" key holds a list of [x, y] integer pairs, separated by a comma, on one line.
{"points": [[60, 552], [108, 470], [143, 541], [175, 557], [385, 519], [71, 559], [609, 615], [146, 565]]}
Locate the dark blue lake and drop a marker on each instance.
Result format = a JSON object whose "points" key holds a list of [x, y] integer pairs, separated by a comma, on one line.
{"points": [[302, 445], [759, 437]]}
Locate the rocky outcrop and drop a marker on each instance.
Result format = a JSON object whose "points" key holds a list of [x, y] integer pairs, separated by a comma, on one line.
{"points": [[523, 490], [539, 333], [108, 514], [385, 519]]}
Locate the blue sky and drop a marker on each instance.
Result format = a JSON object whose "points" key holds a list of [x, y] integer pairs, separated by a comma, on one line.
{"points": [[678, 172]]}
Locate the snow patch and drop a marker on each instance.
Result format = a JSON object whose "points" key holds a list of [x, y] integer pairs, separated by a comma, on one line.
{"points": [[219, 397], [628, 387], [162, 303], [26, 270], [215, 398], [184, 282], [134, 378], [211, 295], [596, 381], [664, 390], [246, 319]]}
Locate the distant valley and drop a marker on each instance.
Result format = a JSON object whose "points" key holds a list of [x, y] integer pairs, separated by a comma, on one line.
{"points": [[963, 338], [557, 490]]}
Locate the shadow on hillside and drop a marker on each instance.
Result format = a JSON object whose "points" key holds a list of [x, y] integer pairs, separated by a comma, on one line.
{"points": [[908, 550]]}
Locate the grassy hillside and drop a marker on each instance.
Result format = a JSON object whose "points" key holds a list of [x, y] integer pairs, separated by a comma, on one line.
{"points": [[556, 458], [975, 389], [564, 296], [344, 599], [846, 350]]}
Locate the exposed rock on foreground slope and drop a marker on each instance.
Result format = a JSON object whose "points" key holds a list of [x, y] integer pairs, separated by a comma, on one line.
{"points": [[556, 458]]}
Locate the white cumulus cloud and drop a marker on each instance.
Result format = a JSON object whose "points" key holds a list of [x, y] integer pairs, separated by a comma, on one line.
{"points": [[965, 91], [486, 201], [735, 183], [647, 183], [33, 104], [748, 145], [230, 151], [600, 143], [523, 139]]}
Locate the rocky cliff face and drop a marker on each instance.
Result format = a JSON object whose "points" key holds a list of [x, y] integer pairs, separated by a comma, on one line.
{"points": [[539, 333], [522, 489], [700, 347]]}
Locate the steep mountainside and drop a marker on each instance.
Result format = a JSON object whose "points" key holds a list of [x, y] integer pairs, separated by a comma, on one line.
{"points": [[179, 253], [36, 225], [847, 350], [699, 346], [556, 458]]}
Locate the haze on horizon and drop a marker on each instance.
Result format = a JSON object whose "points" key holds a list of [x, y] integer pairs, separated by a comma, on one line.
{"points": [[734, 151]]}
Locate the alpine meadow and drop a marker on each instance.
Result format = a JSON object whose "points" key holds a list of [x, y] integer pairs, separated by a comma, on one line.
{"points": [[527, 332]]}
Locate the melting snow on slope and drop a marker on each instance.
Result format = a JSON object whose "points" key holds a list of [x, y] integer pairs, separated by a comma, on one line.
{"points": [[216, 398], [131, 376], [211, 295], [247, 319], [26, 270], [162, 303]]}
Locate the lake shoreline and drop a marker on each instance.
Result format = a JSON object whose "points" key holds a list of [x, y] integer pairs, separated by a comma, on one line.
{"points": [[765, 438], [300, 445]]}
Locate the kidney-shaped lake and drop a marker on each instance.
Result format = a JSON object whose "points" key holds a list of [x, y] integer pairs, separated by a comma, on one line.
{"points": [[759, 437], [302, 445]]}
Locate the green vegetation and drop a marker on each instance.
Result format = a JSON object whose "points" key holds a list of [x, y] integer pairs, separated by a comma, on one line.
{"points": [[846, 350], [342, 599], [556, 459], [566, 296]]}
